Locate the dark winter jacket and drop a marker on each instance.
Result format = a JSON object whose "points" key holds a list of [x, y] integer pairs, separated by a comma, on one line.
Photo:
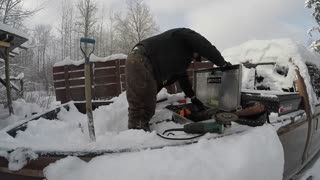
{"points": [[171, 52]]}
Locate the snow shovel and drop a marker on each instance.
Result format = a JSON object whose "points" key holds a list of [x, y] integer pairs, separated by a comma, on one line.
{"points": [[87, 47]]}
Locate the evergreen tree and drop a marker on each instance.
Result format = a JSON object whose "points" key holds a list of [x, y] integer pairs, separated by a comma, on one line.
{"points": [[315, 5]]}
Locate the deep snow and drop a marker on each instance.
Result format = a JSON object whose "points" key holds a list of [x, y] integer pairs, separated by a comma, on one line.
{"points": [[258, 148], [255, 154], [22, 110]]}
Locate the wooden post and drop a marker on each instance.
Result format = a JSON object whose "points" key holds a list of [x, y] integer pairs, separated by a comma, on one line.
{"points": [[7, 73], [118, 78], [93, 84], [88, 99]]}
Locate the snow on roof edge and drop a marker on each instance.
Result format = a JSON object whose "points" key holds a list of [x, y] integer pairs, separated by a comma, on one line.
{"points": [[284, 52], [274, 50], [12, 30], [93, 58]]}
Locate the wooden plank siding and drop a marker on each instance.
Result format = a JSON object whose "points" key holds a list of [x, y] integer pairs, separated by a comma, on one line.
{"points": [[108, 80]]}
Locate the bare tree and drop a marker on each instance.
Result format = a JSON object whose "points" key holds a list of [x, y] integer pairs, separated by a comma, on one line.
{"points": [[137, 25], [13, 13], [106, 34], [42, 36], [66, 28], [112, 39], [87, 18], [100, 34]]}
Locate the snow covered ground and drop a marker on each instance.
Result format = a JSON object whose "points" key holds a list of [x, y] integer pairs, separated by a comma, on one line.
{"points": [[230, 157], [253, 155], [235, 156], [22, 110]]}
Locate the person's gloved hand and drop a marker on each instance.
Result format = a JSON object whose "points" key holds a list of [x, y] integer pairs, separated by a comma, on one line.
{"points": [[197, 103], [226, 65]]}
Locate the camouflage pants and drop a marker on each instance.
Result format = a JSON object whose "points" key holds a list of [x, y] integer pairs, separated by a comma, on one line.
{"points": [[141, 91]]}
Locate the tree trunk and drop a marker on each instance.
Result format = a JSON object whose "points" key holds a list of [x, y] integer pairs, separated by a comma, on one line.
{"points": [[7, 72]]}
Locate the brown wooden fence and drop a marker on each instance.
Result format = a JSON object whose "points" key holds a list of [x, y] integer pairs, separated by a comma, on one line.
{"points": [[108, 80]]}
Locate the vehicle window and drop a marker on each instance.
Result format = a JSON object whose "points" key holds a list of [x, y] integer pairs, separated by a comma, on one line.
{"points": [[315, 78]]}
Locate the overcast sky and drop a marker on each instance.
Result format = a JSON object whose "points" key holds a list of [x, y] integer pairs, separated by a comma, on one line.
{"points": [[225, 23]]}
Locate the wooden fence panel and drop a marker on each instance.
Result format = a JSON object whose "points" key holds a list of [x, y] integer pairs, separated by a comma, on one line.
{"points": [[105, 80], [105, 72], [78, 93], [59, 76], [76, 68], [58, 69], [106, 91], [61, 95], [105, 64], [108, 80]]}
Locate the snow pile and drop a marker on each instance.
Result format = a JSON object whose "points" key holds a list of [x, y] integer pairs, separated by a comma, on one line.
{"points": [[276, 50], [256, 154], [20, 157], [22, 110], [72, 129], [4, 154], [93, 58], [286, 53], [257, 149], [41, 131]]}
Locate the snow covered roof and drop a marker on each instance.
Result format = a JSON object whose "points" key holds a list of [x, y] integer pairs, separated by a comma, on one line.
{"points": [[17, 36], [275, 50], [93, 58], [285, 53], [6, 28]]}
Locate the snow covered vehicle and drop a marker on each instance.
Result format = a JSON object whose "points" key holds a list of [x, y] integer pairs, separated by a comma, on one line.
{"points": [[282, 75]]}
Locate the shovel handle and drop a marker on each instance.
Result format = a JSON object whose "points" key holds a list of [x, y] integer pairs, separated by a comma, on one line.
{"points": [[87, 41]]}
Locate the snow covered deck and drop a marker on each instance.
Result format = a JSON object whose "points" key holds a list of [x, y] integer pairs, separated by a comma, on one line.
{"points": [[232, 151]]}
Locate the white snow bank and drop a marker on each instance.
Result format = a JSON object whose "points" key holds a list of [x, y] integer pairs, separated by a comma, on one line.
{"points": [[19, 158], [110, 125], [256, 148], [71, 128], [93, 58], [280, 51], [255, 154], [22, 110]]}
